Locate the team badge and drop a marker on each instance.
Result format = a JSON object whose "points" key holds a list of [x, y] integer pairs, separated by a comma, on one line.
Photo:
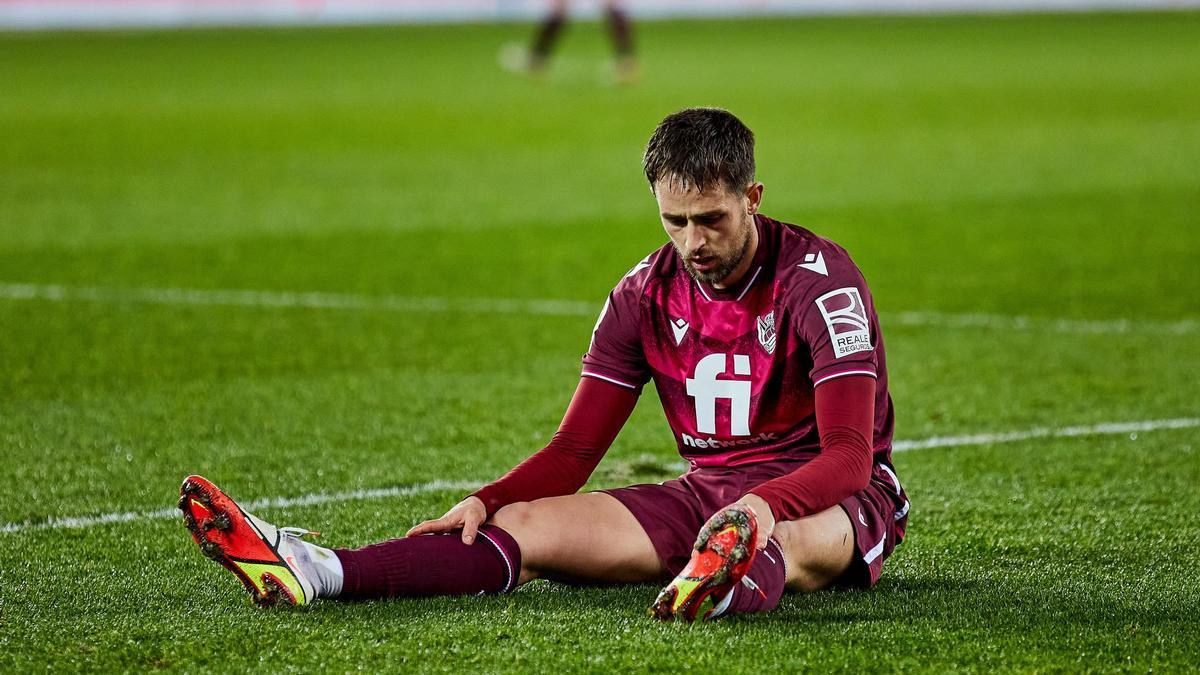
{"points": [[766, 332], [846, 317]]}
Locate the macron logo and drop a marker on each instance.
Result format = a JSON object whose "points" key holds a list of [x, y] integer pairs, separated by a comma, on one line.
{"points": [[679, 327], [815, 262], [640, 266]]}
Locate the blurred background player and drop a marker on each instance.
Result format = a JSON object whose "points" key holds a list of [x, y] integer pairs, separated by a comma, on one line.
{"points": [[534, 58]]}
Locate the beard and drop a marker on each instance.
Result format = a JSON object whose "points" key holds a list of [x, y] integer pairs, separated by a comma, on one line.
{"points": [[725, 263]]}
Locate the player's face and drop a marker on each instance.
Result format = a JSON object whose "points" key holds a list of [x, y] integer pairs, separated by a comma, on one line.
{"points": [[713, 231]]}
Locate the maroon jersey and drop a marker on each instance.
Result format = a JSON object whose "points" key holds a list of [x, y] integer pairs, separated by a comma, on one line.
{"points": [[735, 369]]}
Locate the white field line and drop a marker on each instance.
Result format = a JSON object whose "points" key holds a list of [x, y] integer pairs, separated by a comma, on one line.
{"points": [[252, 505], [77, 522], [542, 307]]}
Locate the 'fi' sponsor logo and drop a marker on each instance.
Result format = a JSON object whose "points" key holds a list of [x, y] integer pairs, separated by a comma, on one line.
{"points": [[846, 316]]}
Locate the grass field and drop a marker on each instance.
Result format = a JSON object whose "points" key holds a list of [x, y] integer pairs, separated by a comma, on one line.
{"points": [[979, 170]]}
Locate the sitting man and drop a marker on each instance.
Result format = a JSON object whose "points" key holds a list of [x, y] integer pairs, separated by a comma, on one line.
{"points": [[764, 346]]}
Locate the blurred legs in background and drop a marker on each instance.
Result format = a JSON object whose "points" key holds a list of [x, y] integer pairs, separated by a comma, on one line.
{"points": [[550, 30], [622, 39], [547, 35]]}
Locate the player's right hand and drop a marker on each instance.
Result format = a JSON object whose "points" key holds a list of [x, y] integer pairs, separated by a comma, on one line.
{"points": [[468, 514]]}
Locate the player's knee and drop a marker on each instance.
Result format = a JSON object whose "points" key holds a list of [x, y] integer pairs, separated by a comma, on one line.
{"points": [[520, 521], [515, 518]]}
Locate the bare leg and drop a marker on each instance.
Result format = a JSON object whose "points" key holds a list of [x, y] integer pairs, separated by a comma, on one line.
{"points": [[818, 549], [588, 536]]}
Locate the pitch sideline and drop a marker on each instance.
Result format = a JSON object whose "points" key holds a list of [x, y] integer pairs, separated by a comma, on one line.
{"points": [[541, 307], [1109, 428]]}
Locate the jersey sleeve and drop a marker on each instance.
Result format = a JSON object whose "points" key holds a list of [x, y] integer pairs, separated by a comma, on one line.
{"points": [[835, 316], [615, 353]]}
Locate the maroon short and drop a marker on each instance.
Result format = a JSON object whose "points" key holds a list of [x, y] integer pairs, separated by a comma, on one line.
{"points": [[672, 512]]}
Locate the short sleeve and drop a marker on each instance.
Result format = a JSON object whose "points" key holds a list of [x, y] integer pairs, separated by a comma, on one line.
{"points": [[836, 318], [615, 354]]}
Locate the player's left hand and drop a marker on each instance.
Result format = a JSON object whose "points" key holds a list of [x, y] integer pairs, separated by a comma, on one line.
{"points": [[762, 512], [466, 515]]}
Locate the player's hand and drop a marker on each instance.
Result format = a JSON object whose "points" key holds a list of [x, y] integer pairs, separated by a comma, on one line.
{"points": [[762, 512], [468, 514]]}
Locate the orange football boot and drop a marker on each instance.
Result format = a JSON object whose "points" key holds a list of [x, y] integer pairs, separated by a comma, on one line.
{"points": [[723, 553], [263, 557]]}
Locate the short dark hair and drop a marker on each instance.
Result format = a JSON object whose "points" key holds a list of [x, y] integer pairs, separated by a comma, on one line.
{"points": [[701, 147]]}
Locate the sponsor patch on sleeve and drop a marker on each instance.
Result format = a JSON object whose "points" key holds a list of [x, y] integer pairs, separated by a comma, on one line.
{"points": [[846, 317]]}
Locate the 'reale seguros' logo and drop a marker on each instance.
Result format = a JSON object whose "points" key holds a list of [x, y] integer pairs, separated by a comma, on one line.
{"points": [[846, 317]]}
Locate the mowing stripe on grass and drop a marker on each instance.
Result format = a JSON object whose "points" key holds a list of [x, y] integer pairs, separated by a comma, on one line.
{"points": [[1061, 432], [543, 307], [445, 486], [1041, 324], [293, 300]]}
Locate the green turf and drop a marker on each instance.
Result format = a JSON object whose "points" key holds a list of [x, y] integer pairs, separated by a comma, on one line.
{"points": [[1038, 166]]}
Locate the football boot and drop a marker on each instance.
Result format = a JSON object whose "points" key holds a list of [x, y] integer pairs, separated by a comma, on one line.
{"points": [[266, 559], [722, 555]]}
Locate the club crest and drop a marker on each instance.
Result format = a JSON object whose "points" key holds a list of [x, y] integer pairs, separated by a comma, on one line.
{"points": [[766, 332]]}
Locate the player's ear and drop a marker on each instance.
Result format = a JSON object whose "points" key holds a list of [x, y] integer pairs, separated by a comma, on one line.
{"points": [[753, 197]]}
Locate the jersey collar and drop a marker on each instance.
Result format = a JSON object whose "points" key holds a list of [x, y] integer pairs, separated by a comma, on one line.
{"points": [[739, 291]]}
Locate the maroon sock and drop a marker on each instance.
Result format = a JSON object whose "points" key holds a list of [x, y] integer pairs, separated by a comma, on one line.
{"points": [[622, 32], [762, 586], [432, 564]]}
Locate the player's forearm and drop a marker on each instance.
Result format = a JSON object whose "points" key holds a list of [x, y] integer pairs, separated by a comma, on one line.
{"points": [[596, 414], [845, 412], [842, 469], [550, 472]]}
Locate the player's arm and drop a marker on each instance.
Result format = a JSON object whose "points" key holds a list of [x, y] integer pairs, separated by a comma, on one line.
{"points": [[614, 370], [835, 317], [845, 412], [596, 414]]}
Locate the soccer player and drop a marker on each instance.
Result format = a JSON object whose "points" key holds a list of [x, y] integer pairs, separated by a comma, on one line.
{"points": [[763, 343]]}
